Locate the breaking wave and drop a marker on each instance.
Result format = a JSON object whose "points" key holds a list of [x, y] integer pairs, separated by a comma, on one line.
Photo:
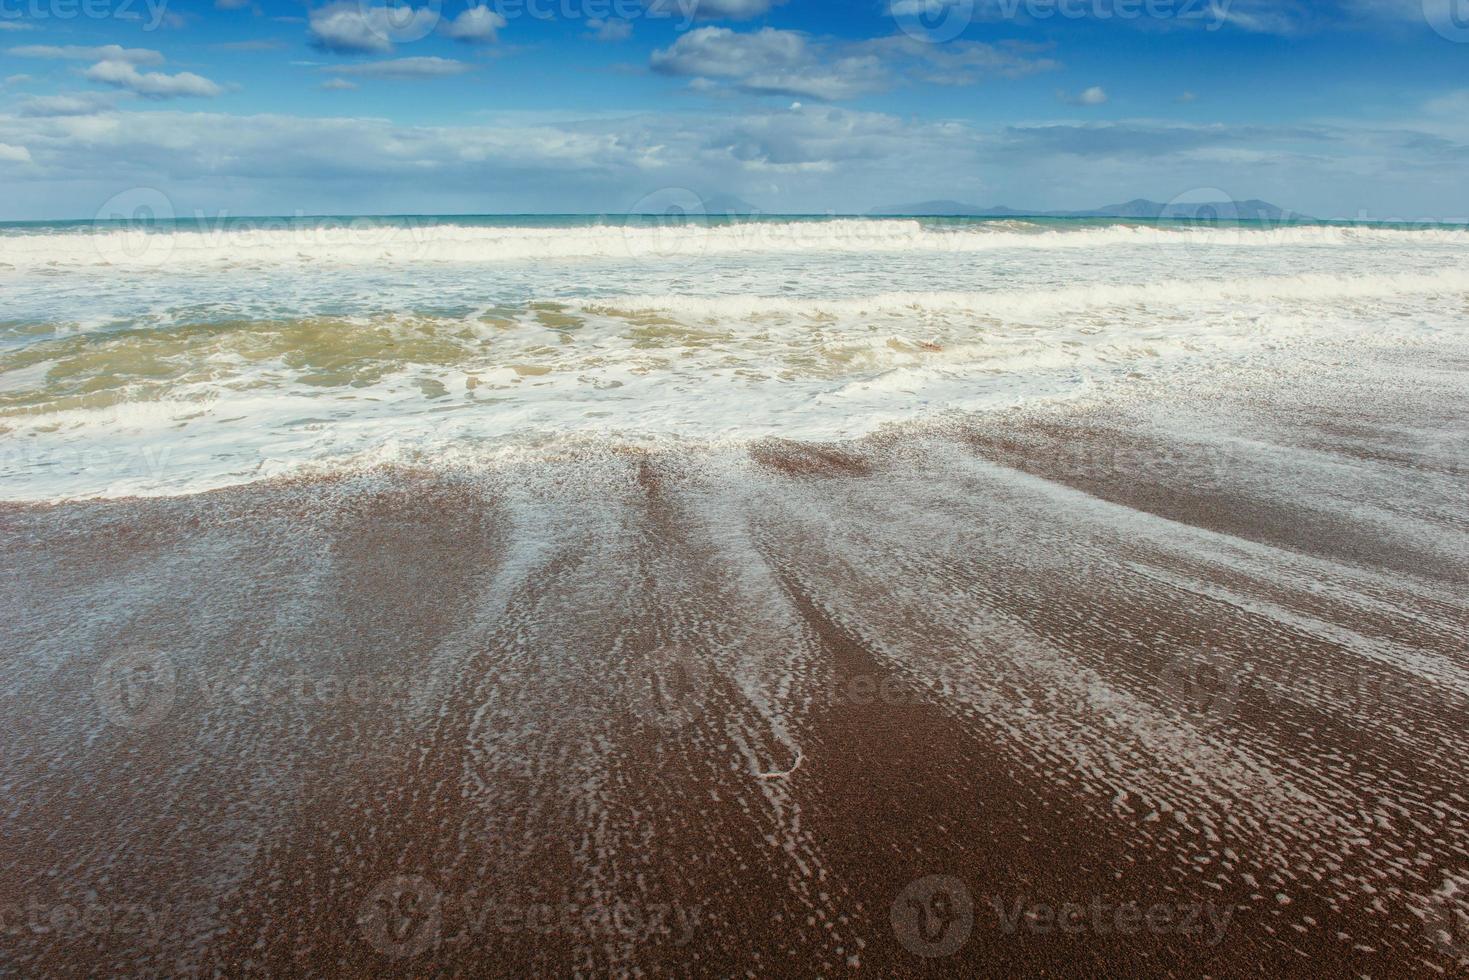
{"points": [[360, 242]]}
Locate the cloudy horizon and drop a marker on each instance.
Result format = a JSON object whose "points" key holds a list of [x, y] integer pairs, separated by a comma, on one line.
{"points": [[1353, 109]]}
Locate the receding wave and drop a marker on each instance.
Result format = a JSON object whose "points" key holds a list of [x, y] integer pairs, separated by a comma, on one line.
{"points": [[1009, 304], [368, 242]]}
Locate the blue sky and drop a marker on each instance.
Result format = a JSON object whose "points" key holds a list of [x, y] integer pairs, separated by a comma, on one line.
{"points": [[1339, 108]]}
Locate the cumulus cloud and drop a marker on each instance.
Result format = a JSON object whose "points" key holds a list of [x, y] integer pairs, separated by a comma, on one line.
{"points": [[348, 27], [477, 25], [14, 154], [107, 52], [778, 62], [153, 84], [426, 67]]}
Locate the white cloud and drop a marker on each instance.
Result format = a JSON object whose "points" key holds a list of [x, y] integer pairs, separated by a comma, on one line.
{"points": [[611, 30], [477, 25], [74, 104], [231, 4], [777, 62], [153, 84], [10, 25], [107, 52], [14, 80], [809, 158], [1096, 95], [14, 154], [427, 67], [353, 28], [338, 85], [767, 60]]}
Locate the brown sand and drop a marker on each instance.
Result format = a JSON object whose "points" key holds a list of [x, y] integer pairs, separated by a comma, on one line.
{"points": [[1201, 656]]}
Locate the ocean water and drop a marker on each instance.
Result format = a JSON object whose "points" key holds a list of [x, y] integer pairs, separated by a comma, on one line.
{"points": [[165, 358]]}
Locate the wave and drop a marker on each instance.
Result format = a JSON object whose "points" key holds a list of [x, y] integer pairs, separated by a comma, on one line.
{"points": [[368, 242], [1020, 303]]}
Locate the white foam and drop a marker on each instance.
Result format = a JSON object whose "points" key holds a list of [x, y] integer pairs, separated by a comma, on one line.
{"points": [[1012, 304], [249, 353], [202, 245]]}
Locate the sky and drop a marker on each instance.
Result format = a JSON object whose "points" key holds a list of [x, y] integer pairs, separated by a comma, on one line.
{"points": [[1334, 108]]}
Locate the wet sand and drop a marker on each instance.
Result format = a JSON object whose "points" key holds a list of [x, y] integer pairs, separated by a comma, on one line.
{"points": [[1167, 684]]}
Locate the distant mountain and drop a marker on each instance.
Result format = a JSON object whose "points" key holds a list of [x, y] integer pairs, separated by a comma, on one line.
{"points": [[1252, 210]]}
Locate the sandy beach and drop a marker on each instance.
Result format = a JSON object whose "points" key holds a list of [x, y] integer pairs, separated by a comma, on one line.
{"points": [[1171, 685]]}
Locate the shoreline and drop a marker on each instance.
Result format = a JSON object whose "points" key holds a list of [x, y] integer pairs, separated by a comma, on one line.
{"points": [[1030, 680]]}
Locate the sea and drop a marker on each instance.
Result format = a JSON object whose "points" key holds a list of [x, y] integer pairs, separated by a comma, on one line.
{"points": [[150, 357]]}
